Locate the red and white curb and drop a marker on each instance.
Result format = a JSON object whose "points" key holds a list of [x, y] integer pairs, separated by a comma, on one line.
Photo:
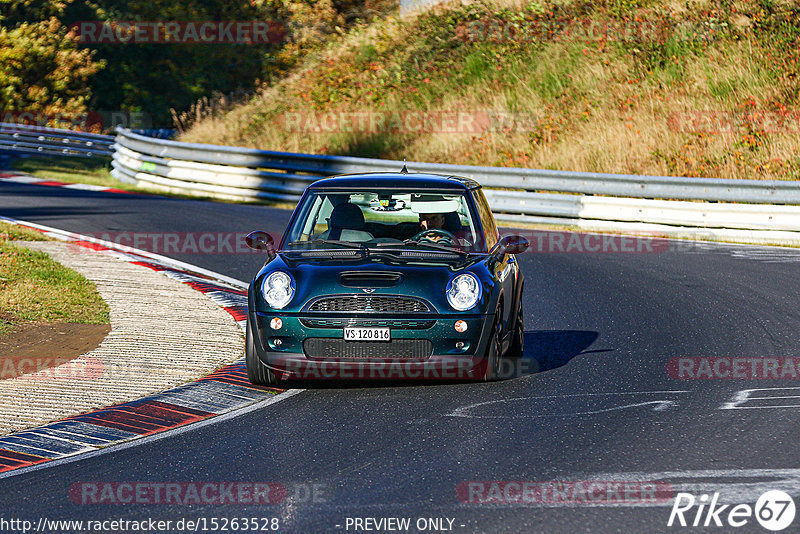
{"points": [[22, 178], [225, 391]]}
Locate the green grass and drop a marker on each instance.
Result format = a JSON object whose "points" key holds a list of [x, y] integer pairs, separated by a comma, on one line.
{"points": [[477, 68], [35, 288], [93, 171], [13, 232]]}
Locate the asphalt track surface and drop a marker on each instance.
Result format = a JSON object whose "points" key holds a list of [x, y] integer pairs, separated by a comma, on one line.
{"points": [[600, 329]]}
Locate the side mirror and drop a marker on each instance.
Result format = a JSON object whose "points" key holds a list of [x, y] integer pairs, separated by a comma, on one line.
{"points": [[259, 240], [511, 244]]}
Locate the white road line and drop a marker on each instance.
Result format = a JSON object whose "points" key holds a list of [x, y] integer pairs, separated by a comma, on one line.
{"points": [[22, 179], [660, 405], [745, 395], [86, 187], [135, 442]]}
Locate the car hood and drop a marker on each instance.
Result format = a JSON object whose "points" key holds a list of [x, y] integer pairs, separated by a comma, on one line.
{"points": [[425, 277]]}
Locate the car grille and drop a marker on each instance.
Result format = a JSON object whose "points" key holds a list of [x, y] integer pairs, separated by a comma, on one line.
{"points": [[398, 324], [369, 303], [403, 349]]}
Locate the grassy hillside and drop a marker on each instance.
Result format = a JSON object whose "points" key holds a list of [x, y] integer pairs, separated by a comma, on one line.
{"points": [[692, 88]]}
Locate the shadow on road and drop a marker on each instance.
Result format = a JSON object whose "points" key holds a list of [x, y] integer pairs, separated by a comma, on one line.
{"points": [[550, 349]]}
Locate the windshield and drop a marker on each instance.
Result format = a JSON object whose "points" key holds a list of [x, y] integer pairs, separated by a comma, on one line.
{"points": [[385, 219]]}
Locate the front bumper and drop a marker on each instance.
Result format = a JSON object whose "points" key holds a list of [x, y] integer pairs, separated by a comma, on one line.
{"points": [[283, 350]]}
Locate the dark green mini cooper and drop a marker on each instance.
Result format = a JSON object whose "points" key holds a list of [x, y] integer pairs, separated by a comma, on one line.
{"points": [[386, 276]]}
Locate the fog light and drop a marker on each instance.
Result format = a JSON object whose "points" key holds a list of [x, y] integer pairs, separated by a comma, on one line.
{"points": [[459, 345], [461, 326], [278, 342], [276, 323]]}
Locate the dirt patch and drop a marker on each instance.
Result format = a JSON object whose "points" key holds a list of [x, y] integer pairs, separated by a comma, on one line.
{"points": [[34, 347]]}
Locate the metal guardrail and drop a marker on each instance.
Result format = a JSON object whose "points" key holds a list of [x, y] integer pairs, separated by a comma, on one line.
{"points": [[29, 139], [763, 211], [568, 209], [292, 165], [589, 200]]}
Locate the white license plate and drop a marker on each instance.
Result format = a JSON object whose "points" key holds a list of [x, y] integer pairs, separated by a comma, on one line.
{"points": [[367, 334]]}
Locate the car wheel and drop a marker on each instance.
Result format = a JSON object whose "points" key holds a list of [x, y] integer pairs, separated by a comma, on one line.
{"points": [[493, 352], [258, 373], [517, 348]]}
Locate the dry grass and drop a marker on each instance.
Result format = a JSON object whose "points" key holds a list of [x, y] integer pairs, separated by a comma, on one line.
{"points": [[604, 106]]}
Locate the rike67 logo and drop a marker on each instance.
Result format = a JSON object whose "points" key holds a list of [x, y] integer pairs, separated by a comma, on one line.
{"points": [[774, 510]]}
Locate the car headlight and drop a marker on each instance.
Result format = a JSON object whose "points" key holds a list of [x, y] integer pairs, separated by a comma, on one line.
{"points": [[278, 289], [463, 291]]}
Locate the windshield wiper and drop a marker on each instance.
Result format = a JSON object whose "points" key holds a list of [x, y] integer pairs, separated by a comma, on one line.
{"points": [[348, 244], [435, 246]]}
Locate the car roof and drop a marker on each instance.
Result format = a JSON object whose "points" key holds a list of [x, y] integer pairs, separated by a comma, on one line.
{"points": [[396, 180]]}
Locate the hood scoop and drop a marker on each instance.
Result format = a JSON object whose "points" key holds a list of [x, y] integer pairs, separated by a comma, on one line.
{"points": [[369, 278]]}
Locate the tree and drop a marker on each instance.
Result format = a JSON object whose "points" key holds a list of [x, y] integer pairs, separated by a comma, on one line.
{"points": [[43, 71]]}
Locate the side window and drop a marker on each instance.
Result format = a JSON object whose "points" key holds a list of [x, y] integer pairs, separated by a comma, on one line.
{"points": [[487, 219]]}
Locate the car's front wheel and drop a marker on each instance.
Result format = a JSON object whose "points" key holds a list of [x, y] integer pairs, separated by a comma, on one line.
{"points": [[517, 348], [258, 373], [494, 351]]}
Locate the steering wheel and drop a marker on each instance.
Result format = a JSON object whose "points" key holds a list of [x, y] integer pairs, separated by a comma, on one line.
{"points": [[444, 234]]}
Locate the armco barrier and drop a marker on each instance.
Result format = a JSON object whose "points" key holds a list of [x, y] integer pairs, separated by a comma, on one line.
{"points": [[303, 167], [29, 139], [739, 210]]}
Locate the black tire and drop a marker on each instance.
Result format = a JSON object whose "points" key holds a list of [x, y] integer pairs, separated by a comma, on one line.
{"points": [[258, 373], [517, 348], [494, 351]]}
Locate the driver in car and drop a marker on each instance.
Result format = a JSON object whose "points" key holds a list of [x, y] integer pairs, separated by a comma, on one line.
{"points": [[433, 221], [435, 214]]}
